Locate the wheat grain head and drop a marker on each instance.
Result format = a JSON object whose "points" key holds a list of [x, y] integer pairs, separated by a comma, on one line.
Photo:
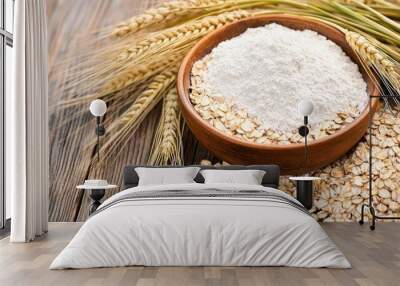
{"points": [[165, 12], [167, 142], [375, 58]]}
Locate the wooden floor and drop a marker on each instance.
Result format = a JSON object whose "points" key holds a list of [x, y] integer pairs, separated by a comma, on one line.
{"points": [[375, 257]]}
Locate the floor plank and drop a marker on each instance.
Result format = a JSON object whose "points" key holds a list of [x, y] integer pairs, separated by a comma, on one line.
{"points": [[375, 257]]}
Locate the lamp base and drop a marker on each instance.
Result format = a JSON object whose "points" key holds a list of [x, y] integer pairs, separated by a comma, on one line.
{"points": [[374, 216], [304, 192], [96, 195]]}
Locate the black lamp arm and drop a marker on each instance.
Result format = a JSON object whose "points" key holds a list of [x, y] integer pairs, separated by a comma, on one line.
{"points": [[303, 131], [100, 130]]}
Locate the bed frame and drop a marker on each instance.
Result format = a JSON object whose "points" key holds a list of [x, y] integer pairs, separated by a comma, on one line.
{"points": [[271, 177]]}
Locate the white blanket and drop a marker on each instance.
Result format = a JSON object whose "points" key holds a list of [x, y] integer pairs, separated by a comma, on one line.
{"points": [[219, 231]]}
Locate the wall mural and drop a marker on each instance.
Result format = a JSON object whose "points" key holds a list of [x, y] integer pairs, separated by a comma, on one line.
{"points": [[217, 102]]}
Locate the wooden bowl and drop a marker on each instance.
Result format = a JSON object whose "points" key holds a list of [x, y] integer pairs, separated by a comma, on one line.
{"points": [[289, 157]]}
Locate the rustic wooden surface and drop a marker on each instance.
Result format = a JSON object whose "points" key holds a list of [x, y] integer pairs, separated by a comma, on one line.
{"points": [[375, 258], [68, 23]]}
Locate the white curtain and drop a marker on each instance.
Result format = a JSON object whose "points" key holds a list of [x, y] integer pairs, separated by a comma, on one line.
{"points": [[27, 124]]}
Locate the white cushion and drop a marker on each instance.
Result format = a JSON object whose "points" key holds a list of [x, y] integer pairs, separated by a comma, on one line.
{"points": [[166, 176], [248, 177]]}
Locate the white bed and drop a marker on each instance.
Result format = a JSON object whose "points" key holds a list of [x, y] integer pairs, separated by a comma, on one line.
{"points": [[185, 230]]}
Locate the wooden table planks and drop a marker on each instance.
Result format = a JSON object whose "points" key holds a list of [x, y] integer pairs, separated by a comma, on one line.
{"points": [[68, 22]]}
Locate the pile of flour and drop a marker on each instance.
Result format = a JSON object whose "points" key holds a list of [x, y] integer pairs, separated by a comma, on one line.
{"points": [[267, 71]]}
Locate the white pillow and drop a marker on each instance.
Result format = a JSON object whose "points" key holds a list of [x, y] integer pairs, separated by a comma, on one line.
{"points": [[248, 177], [166, 176]]}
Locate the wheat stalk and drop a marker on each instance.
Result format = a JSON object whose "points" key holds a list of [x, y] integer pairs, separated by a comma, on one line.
{"points": [[181, 34], [379, 62], [125, 79], [166, 12], [167, 142], [125, 126], [138, 74], [375, 58]]}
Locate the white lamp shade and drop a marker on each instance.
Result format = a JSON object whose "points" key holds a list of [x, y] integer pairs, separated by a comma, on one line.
{"points": [[98, 107], [305, 107]]}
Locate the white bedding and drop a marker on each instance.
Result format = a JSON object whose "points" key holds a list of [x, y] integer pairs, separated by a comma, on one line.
{"points": [[200, 231]]}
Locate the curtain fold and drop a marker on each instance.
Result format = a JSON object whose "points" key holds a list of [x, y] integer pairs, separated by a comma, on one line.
{"points": [[27, 124]]}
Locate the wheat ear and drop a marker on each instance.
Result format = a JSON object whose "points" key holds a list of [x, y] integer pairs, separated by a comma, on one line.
{"points": [[181, 34], [167, 142], [375, 58], [138, 74], [165, 12], [123, 80], [125, 126]]}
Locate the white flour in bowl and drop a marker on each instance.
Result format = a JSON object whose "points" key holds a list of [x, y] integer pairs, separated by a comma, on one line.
{"points": [[268, 70]]}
